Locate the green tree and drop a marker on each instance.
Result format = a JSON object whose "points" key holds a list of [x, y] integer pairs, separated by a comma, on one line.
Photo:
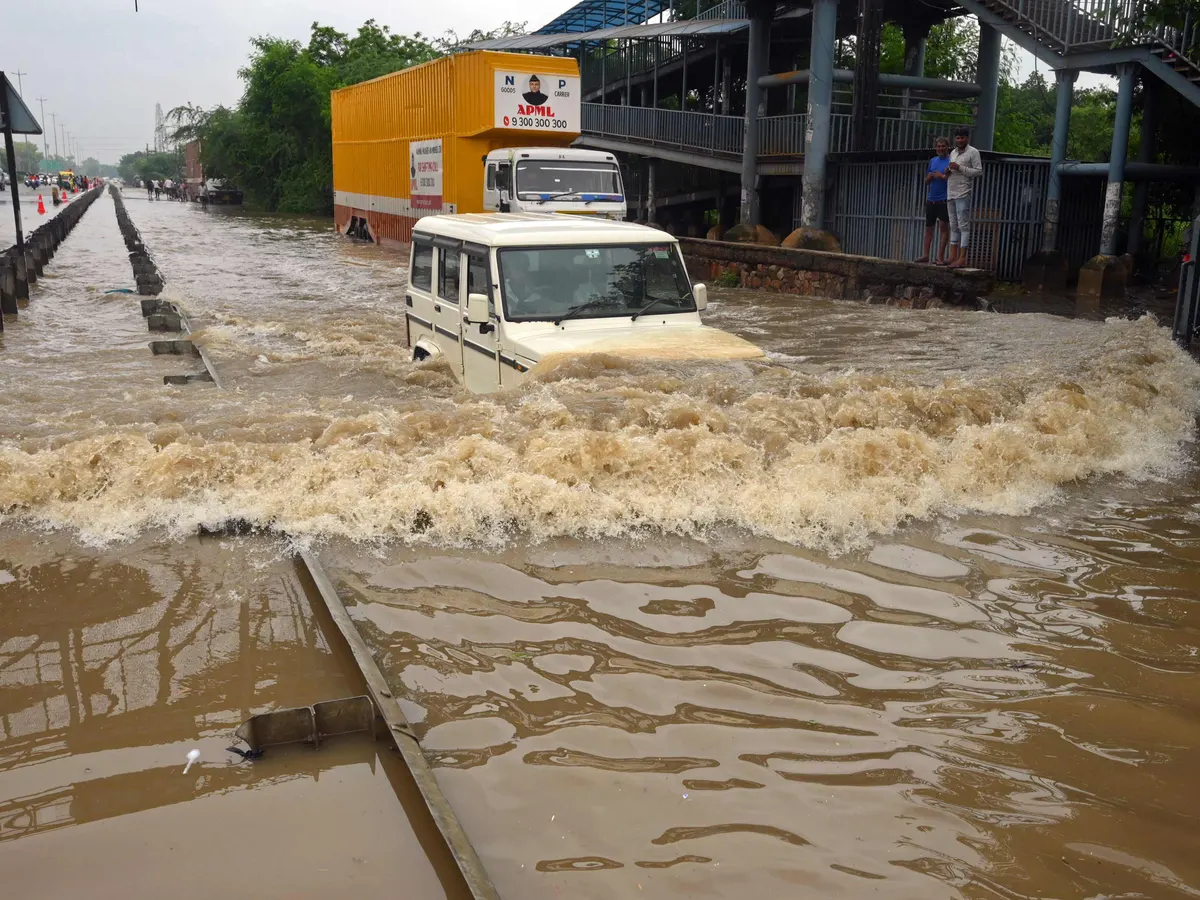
{"points": [[28, 157], [142, 165]]}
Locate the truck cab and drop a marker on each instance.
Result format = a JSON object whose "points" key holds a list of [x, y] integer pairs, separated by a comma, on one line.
{"points": [[494, 295], [553, 179]]}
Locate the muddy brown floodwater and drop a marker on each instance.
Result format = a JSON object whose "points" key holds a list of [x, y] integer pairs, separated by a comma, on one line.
{"points": [[909, 609]]}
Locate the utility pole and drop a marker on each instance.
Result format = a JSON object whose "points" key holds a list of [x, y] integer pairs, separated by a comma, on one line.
{"points": [[20, 86], [54, 128], [45, 145]]}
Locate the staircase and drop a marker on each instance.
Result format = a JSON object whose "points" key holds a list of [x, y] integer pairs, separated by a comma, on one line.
{"points": [[1105, 32]]}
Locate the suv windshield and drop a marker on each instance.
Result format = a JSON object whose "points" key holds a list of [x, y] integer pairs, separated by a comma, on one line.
{"points": [[536, 177], [593, 282]]}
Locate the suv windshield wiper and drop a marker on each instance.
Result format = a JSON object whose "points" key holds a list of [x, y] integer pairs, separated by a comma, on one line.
{"points": [[577, 309], [649, 305], [562, 196]]}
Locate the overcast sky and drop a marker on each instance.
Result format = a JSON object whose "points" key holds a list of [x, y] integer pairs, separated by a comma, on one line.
{"points": [[102, 67]]}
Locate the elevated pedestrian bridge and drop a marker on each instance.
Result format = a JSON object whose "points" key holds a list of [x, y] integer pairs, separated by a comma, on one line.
{"points": [[716, 141], [1099, 35]]}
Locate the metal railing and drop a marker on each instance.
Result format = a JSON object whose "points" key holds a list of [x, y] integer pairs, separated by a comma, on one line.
{"points": [[608, 65], [724, 135], [695, 131], [730, 9], [1074, 25], [782, 135]]}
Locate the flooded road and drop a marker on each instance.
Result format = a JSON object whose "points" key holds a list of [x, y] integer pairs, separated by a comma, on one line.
{"points": [[907, 610]]}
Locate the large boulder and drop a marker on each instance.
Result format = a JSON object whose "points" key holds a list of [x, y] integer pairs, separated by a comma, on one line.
{"points": [[745, 234], [812, 239]]}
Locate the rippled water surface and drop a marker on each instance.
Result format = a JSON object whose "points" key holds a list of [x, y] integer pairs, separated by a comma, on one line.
{"points": [[908, 609]]}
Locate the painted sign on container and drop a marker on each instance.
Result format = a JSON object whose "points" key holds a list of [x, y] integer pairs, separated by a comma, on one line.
{"points": [[533, 102], [425, 172]]}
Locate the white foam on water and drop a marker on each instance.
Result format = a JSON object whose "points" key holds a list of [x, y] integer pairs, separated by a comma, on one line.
{"points": [[604, 446]]}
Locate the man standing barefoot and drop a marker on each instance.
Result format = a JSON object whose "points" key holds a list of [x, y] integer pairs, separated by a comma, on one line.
{"points": [[936, 215], [965, 166]]}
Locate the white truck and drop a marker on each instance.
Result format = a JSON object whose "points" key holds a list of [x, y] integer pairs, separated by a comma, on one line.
{"points": [[493, 295], [553, 179]]}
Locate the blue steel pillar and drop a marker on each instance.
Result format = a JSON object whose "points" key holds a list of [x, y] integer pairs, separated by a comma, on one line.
{"points": [[916, 40], [989, 87], [1105, 276], [757, 53], [820, 113], [1065, 94], [1127, 73]]}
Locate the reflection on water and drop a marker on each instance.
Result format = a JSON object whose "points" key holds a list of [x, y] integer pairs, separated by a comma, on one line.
{"points": [[983, 710], [114, 666], [907, 610]]}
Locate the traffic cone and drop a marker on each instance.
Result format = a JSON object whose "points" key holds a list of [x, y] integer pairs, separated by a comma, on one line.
{"points": [[41, 206]]}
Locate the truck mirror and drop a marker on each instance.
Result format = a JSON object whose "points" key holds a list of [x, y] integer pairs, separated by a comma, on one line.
{"points": [[700, 292], [477, 309]]}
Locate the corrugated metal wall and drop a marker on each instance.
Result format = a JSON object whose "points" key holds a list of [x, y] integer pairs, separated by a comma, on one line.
{"points": [[878, 209]]}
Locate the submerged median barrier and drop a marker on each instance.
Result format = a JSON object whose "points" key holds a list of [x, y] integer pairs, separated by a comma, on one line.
{"points": [[19, 270], [160, 315]]}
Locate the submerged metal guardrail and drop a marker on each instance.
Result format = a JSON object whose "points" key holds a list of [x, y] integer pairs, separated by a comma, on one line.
{"points": [[18, 270]]}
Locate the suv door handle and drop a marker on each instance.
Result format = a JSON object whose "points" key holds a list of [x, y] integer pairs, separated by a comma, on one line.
{"points": [[437, 308], [408, 301]]}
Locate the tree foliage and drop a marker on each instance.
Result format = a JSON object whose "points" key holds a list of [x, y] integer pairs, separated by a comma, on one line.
{"points": [[276, 144], [27, 154], [142, 165]]}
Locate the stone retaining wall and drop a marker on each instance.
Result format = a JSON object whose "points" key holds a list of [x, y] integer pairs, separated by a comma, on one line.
{"points": [[835, 276]]}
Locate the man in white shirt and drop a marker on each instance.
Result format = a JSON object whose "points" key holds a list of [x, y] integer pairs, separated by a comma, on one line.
{"points": [[965, 166]]}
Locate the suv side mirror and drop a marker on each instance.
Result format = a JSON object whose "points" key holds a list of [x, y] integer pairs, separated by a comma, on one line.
{"points": [[700, 292], [477, 309]]}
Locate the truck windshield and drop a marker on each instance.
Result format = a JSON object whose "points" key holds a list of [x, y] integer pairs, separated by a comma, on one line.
{"points": [[536, 177], [593, 282]]}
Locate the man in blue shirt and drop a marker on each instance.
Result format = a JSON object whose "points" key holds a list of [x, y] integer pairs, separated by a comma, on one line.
{"points": [[935, 204]]}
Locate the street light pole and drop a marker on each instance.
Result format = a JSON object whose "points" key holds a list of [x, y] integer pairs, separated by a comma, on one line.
{"points": [[20, 86], [45, 146], [54, 128]]}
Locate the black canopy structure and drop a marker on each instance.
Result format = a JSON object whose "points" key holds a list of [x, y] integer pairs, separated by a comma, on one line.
{"points": [[15, 118]]}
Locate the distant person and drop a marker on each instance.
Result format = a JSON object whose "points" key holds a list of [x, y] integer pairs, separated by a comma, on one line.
{"points": [[149, 189], [158, 189], [965, 166], [534, 95], [937, 215]]}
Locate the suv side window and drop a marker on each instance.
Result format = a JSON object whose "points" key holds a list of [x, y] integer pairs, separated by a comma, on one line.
{"points": [[479, 280], [448, 275], [422, 267]]}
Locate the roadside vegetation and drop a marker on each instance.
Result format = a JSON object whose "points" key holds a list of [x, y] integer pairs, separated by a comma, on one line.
{"points": [[276, 144]]}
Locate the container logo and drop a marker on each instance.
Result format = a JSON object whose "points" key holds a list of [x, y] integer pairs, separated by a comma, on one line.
{"points": [[425, 174], [534, 102]]}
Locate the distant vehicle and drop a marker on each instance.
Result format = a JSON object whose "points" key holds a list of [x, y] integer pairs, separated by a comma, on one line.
{"points": [[466, 133], [214, 190], [495, 294]]}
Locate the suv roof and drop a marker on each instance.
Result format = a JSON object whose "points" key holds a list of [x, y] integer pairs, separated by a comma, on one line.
{"points": [[513, 229]]}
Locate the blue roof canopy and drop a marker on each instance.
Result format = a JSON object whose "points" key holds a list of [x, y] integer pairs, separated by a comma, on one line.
{"points": [[593, 15]]}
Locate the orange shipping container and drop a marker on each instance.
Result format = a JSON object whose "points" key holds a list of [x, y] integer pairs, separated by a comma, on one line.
{"points": [[412, 143]]}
